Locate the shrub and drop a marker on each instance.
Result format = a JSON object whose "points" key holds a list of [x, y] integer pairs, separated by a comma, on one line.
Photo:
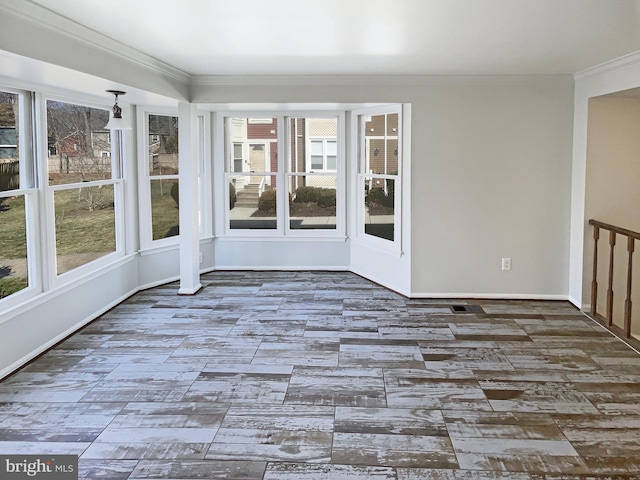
{"points": [[376, 197], [232, 196], [175, 194], [267, 201], [307, 194], [326, 197]]}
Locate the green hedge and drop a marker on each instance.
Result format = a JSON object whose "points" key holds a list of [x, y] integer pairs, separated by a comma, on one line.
{"points": [[326, 197], [376, 196], [307, 194], [267, 201]]}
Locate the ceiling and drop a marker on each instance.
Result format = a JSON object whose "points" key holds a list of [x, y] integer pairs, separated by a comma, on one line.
{"points": [[364, 37]]}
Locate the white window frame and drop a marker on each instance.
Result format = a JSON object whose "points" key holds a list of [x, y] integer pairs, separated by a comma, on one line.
{"points": [[260, 120], [339, 173], [358, 124], [56, 280], [223, 139], [28, 189], [144, 184]]}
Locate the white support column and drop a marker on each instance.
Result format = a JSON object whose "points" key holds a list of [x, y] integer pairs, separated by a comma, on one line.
{"points": [[189, 229]]}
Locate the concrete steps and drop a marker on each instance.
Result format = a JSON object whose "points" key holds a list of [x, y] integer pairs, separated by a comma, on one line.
{"points": [[248, 196]]}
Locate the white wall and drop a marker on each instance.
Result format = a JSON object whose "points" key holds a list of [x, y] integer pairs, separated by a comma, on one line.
{"points": [[491, 180], [30, 329], [615, 76], [612, 196], [491, 166], [281, 255]]}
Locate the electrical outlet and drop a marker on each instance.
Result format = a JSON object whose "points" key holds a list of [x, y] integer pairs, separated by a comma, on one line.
{"points": [[506, 264]]}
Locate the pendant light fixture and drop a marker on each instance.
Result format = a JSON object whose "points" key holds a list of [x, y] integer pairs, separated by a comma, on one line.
{"points": [[116, 122]]}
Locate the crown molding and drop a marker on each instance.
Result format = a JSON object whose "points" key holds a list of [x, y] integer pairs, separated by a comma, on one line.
{"points": [[56, 24], [628, 60], [379, 80]]}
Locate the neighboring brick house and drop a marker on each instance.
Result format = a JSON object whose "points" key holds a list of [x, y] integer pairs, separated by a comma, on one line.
{"points": [[313, 147], [382, 146], [255, 142]]}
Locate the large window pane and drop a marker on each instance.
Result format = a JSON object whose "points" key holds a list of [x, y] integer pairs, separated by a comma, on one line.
{"points": [[163, 145], [379, 207], [9, 142], [85, 225], [13, 239], [252, 202], [79, 147], [164, 208], [313, 202]]}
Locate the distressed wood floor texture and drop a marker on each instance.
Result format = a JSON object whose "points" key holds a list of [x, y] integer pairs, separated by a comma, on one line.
{"points": [[323, 376]]}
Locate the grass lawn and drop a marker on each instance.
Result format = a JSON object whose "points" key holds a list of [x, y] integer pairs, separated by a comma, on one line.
{"points": [[85, 228], [79, 230], [12, 229], [165, 213], [14, 246]]}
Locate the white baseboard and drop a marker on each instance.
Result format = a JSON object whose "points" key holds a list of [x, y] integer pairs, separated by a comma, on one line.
{"points": [[281, 268], [382, 282], [43, 348], [491, 296]]}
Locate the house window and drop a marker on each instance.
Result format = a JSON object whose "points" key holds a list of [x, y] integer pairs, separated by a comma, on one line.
{"points": [[83, 190], [323, 154], [379, 177], [162, 175], [17, 197], [238, 158]]}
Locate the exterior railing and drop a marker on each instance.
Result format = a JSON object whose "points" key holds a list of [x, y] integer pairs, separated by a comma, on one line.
{"points": [[607, 320]]}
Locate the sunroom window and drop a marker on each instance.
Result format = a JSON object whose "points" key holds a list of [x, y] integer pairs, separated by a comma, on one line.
{"points": [[252, 173], [16, 197], [379, 177], [284, 176], [162, 175], [84, 188]]}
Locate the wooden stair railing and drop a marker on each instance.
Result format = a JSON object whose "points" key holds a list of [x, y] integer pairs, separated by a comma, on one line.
{"points": [[608, 320]]}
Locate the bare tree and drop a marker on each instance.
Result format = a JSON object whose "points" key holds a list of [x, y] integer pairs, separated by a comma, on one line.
{"points": [[76, 133]]}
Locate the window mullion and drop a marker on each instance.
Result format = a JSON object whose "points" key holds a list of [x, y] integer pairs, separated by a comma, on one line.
{"points": [[282, 203]]}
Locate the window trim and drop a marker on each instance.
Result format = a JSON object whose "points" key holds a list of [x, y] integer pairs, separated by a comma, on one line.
{"points": [[53, 279], [358, 124], [144, 180]]}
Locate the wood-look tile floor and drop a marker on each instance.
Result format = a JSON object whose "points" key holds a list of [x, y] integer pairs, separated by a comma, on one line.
{"points": [[314, 376]]}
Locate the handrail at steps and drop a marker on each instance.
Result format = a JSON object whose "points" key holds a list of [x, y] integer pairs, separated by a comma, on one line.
{"points": [[607, 321], [613, 228]]}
